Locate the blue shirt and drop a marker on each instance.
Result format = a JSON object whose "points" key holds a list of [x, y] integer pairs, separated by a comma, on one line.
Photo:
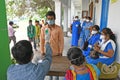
{"points": [[83, 77], [86, 31], [86, 76], [91, 41], [31, 71]]}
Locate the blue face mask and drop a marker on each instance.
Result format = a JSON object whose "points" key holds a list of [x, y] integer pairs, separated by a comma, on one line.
{"points": [[51, 22]]}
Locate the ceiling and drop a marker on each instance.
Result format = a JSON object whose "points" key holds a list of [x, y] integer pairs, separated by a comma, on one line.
{"points": [[77, 4]]}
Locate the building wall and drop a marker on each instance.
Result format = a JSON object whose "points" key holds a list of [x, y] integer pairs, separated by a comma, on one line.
{"points": [[114, 22], [98, 12], [86, 5]]}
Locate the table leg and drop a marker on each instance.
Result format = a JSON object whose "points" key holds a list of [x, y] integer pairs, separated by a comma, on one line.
{"points": [[50, 77], [56, 77]]}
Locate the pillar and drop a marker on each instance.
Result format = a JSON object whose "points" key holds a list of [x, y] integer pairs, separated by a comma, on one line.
{"points": [[69, 14], [4, 45], [65, 18], [69, 17], [72, 10], [58, 12], [104, 14]]}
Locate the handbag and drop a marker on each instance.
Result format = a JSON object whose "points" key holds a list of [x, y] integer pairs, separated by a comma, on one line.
{"points": [[85, 46], [108, 71], [94, 54]]}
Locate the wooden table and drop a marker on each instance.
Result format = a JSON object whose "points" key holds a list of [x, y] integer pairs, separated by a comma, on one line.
{"points": [[59, 66]]}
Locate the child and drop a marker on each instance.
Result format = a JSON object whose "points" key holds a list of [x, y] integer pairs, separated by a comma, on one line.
{"points": [[79, 69], [25, 70]]}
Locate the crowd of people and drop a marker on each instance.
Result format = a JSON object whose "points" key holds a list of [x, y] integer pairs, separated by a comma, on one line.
{"points": [[94, 47]]}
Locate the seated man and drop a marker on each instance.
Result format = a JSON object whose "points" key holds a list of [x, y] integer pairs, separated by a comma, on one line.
{"points": [[25, 69], [80, 70]]}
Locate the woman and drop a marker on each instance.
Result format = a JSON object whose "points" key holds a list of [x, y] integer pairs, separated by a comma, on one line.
{"points": [[79, 69], [95, 35], [76, 28], [106, 48], [85, 33]]}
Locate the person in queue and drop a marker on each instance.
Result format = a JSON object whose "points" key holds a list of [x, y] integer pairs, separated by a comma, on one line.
{"points": [[75, 30], [80, 70], [56, 35]]}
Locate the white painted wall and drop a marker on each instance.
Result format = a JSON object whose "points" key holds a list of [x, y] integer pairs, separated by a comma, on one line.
{"points": [[98, 12], [58, 12], [114, 22], [72, 11], [85, 5]]}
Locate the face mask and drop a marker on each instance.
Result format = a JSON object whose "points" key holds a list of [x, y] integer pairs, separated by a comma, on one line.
{"points": [[84, 19], [102, 37], [93, 32], [51, 22], [87, 20], [76, 19]]}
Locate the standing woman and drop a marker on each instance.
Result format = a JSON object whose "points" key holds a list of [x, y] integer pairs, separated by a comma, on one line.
{"points": [[76, 29], [106, 48], [86, 27]]}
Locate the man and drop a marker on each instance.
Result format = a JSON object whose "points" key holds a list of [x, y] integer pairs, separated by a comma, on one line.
{"points": [[11, 33], [76, 29], [25, 69], [56, 35], [37, 35], [31, 33]]}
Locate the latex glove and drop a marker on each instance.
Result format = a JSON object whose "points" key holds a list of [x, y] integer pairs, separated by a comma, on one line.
{"points": [[47, 35]]}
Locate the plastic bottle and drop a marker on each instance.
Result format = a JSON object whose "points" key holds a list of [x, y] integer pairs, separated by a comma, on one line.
{"points": [[46, 30]]}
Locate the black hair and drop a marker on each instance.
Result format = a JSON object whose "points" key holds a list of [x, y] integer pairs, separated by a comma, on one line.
{"points": [[76, 17], [75, 56], [51, 13], [22, 52], [36, 21], [88, 18], [96, 27], [110, 33], [30, 20], [11, 23]]}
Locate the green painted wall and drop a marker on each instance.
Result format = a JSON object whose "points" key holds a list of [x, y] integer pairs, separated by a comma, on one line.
{"points": [[4, 45]]}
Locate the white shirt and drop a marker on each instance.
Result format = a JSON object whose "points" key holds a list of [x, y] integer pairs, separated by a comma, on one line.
{"points": [[11, 31]]}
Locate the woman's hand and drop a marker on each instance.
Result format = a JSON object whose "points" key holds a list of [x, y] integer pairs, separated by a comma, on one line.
{"points": [[96, 48]]}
